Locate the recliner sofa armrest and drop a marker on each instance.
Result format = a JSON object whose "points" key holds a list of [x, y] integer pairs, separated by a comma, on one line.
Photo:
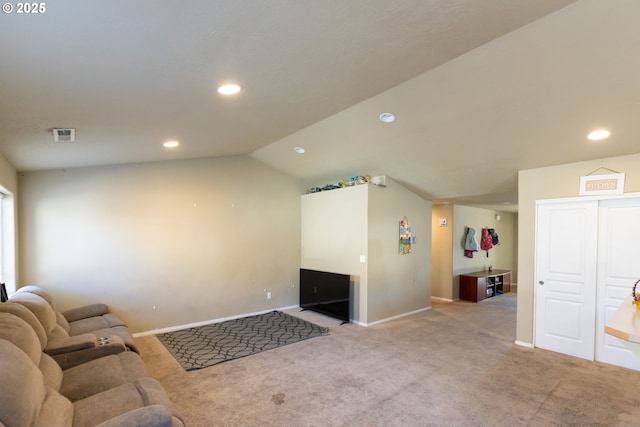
{"points": [[104, 347], [70, 343], [86, 311]]}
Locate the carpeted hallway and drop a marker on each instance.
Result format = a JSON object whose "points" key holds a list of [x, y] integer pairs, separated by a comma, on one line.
{"points": [[454, 365]]}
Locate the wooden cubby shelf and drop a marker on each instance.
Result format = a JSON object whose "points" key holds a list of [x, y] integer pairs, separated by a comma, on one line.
{"points": [[481, 285]]}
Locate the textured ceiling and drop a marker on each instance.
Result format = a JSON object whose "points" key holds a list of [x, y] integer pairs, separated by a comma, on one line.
{"points": [[481, 88]]}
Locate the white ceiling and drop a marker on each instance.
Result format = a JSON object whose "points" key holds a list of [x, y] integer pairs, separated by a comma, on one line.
{"points": [[481, 89]]}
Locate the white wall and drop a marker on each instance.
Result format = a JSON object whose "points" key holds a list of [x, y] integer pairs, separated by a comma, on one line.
{"points": [[547, 183], [196, 239]]}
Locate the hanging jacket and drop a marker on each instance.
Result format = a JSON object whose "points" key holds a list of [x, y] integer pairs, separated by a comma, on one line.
{"points": [[470, 242], [486, 242], [494, 237]]}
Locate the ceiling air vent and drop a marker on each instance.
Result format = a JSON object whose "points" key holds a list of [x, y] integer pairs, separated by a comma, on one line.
{"points": [[64, 135]]}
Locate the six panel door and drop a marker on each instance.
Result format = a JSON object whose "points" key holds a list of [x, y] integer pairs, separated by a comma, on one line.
{"points": [[565, 289]]}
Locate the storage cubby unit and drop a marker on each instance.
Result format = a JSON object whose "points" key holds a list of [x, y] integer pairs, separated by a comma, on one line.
{"points": [[485, 284]]}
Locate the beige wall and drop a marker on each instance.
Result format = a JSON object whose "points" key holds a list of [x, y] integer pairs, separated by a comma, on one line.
{"points": [[8, 176], [549, 183], [398, 284], [196, 239], [9, 186], [339, 226], [334, 235], [442, 252], [501, 257]]}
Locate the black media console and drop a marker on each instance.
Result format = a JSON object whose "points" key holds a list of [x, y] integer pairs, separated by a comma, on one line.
{"points": [[326, 293]]}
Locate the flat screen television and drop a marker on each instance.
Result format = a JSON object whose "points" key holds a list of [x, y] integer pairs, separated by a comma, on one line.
{"points": [[326, 293]]}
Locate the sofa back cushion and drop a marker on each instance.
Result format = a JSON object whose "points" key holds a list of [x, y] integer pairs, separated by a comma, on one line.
{"points": [[38, 306], [18, 332], [62, 321], [40, 292], [24, 398], [25, 314]]}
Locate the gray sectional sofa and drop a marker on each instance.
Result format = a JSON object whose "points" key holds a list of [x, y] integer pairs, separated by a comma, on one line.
{"points": [[94, 377]]}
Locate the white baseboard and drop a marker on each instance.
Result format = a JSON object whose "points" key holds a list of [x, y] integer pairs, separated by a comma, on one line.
{"points": [[389, 319], [208, 322], [524, 344], [442, 299]]}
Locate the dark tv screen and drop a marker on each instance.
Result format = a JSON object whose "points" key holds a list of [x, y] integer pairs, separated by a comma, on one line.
{"points": [[326, 293]]}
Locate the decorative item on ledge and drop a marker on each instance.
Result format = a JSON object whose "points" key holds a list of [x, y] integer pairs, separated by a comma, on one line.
{"points": [[636, 297], [354, 180]]}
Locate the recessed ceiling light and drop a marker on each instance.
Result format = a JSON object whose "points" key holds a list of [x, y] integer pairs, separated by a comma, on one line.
{"points": [[299, 150], [387, 117], [599, 134], [229, 89], [171, 144]]}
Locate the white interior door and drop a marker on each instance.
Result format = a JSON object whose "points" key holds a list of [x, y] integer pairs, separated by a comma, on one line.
{"points": [[565, 289], [618, 269]]}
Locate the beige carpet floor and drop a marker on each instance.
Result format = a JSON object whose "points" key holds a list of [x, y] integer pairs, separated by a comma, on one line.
{"points": [[453, 365]]}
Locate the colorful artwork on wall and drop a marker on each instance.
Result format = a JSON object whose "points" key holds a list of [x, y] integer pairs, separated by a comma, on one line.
{"points": [[405, 237]]}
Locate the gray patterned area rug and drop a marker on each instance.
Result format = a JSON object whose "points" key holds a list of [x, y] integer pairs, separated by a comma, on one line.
{"points": [[208, 345]]}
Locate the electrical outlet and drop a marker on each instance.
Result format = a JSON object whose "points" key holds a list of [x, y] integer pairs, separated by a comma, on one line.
{"points": [[268, 295]]}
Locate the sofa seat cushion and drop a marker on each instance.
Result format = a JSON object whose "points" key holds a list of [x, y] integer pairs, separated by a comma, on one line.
{"points": [[149, 416], [102, 374], [56, 411], [101, 407]]}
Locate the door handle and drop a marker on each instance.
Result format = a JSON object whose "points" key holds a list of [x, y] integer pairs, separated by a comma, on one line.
{"points": [[541, 282]]}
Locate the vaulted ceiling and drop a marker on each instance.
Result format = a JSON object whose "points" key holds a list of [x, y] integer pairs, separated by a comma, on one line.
{"points": [[480, 89]]}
